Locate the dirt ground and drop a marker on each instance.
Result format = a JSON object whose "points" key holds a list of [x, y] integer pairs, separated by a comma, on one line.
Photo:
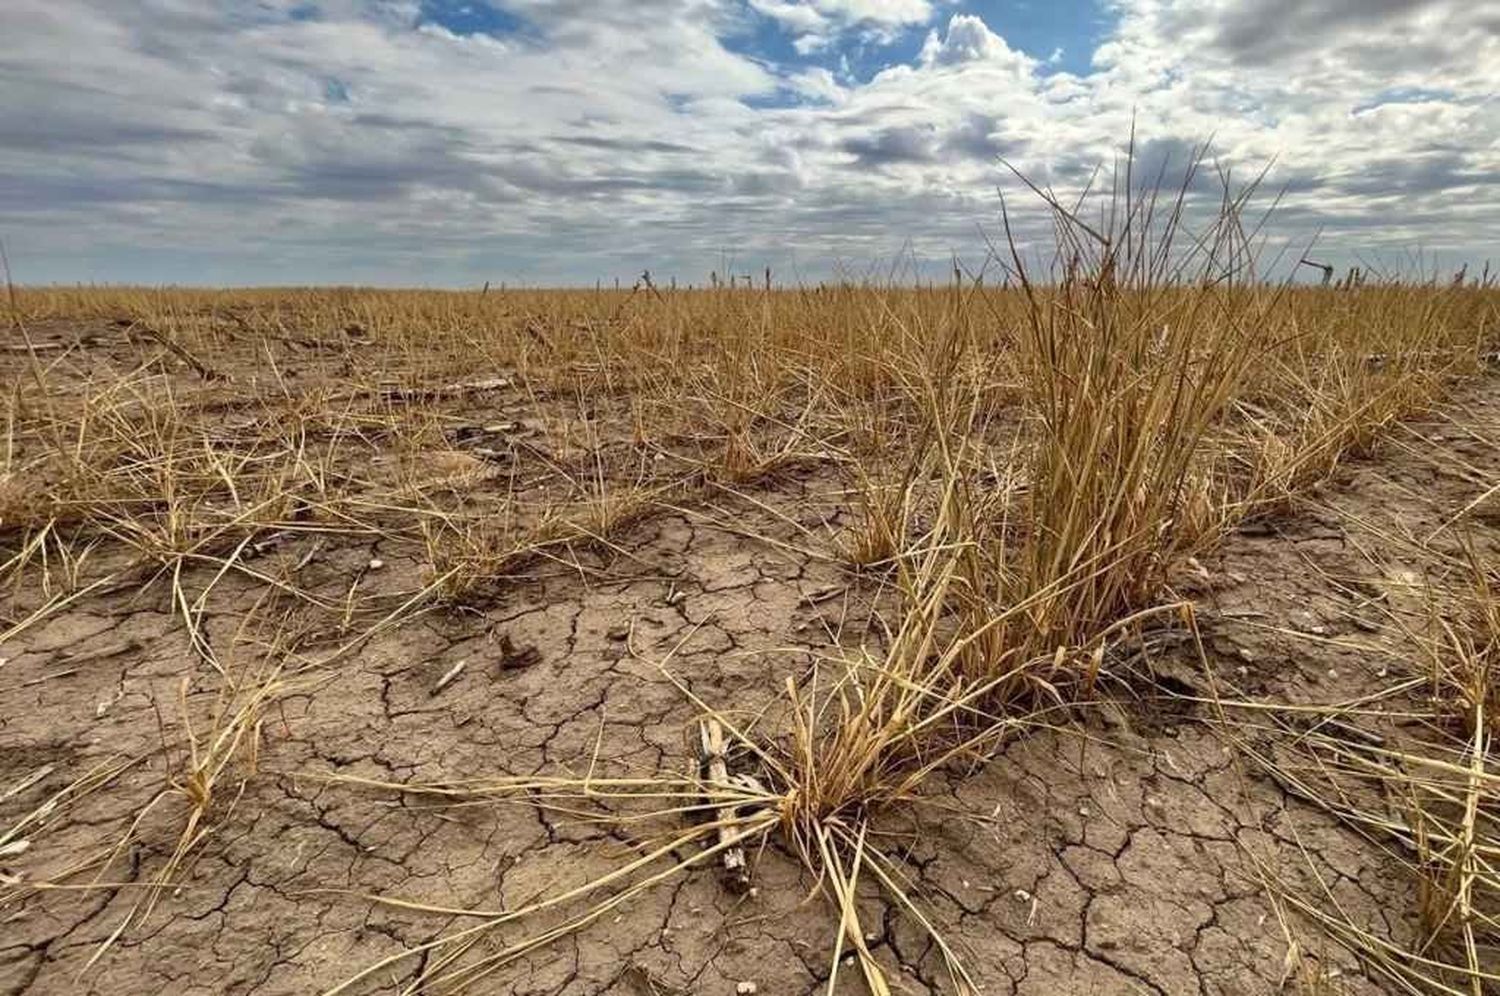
{"points": [[1133, 849]]}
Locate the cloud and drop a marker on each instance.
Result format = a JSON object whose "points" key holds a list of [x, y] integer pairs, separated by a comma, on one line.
{"points": [[817, 15], [889, 146], [818, 24], [983, 137], [1330, 46], [968, 39], [798, 18], [569, 139], [1268, 31]]}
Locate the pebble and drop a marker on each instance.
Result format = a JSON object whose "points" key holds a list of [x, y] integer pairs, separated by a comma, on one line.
{"points": [[376, 563], [1246, 655], [449, 675], [619, 632], [1199, 571], [746, 988]]}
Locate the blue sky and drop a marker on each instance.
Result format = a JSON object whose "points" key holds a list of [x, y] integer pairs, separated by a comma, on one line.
{"points": [[469, 17], [447, 142], [1062, 34]]}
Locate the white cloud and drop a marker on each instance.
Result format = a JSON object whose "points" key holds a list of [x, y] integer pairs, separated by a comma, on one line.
{"points": [[818, 84], [802, 18], [818, 24], [818, 15], [968, 39], [218, 141]]}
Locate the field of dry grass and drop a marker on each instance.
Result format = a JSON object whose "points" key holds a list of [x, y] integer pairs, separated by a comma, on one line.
{"points": [[1130, 630]]}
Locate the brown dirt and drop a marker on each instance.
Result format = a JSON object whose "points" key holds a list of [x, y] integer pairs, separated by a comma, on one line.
{"points": [[1113, 855]]}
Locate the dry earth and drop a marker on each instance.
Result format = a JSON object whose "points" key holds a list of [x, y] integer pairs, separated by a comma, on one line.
{"points": [[1131, 848]]}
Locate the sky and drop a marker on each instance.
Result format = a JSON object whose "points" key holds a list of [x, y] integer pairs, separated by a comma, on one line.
{"points": [[451, 142]]}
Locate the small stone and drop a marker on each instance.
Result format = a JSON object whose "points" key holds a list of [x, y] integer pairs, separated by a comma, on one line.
{"points": [[376, 563], [449, 675], [746, 988], [1246, 655], [1199, 571], [1022, 896], [619, 632]]}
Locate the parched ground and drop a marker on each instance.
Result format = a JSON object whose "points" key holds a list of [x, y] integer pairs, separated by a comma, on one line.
{"points": [[1135, 848]]}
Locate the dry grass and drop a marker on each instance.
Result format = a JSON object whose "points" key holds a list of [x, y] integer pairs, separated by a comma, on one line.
{"points": [[1424, 793]]}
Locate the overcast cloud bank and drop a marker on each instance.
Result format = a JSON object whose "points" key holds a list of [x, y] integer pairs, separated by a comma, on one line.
{"points": [[551, 141]]}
